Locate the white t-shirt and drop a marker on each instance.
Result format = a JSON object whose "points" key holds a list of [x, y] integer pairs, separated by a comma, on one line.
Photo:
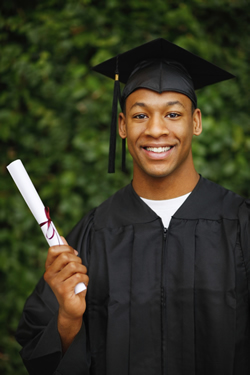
{"points": [[165, 209]]}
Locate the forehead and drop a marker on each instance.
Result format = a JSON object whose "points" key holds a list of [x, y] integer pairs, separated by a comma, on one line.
{"points": [[146, 97]]}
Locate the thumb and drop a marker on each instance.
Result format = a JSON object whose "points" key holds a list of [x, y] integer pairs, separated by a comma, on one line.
{"points": [[66, 243], [63, 240]]}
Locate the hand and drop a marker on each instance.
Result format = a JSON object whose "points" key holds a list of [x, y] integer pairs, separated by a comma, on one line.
{"points": [[64, 270]]}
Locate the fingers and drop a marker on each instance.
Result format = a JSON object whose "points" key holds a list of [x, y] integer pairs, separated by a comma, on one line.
{"points": [[55, 251], [69, 276], [63, 264], [64, 240], [66, 243], [69, 283], [68, 262], [64, 270]]}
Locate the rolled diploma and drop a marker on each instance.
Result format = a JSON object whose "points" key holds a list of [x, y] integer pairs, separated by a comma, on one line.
{"points": [[36, 206]]}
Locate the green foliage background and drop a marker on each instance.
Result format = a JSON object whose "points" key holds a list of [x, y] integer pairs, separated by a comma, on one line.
{"points": [[55, 114]]}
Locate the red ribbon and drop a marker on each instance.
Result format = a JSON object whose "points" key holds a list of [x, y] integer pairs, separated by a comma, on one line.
{"points": [[48, 222]]}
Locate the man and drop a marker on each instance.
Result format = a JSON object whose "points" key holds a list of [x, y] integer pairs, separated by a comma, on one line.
{"points": [[166, 260]]}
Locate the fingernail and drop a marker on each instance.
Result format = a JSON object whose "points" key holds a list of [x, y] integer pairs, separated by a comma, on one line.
{"points": [[76, 252]]}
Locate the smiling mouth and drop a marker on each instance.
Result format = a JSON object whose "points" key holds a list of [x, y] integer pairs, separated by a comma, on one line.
{"points": [[158, 150]]}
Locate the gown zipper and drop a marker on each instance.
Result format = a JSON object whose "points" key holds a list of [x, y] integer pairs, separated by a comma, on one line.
{"points": [[163, 299]]}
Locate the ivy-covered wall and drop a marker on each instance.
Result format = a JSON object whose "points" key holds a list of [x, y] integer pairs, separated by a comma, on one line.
{"points": [[55, 115]]}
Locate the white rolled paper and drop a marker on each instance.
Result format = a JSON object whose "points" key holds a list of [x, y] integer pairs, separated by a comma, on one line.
{"points": [[36, 206]]}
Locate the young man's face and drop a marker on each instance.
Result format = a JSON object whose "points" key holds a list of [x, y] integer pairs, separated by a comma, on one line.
{"points": [[159, 130]]}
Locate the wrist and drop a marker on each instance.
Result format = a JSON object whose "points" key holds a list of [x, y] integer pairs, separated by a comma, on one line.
{"points": [[68, 328], [66, 319]]}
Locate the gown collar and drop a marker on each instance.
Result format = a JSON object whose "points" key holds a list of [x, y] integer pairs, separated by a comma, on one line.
{"points": [[207, 201]]}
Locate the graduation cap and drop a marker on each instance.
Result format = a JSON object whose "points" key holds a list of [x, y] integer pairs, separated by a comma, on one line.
{"points": [[159, 66]]}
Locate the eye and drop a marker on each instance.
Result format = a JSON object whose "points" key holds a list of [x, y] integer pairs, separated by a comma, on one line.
{"points": [[173, 115], [140, 116]]}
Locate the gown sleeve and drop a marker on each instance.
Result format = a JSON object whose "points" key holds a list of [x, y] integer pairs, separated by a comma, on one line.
{"points": [[244, 219], [37, 330]]}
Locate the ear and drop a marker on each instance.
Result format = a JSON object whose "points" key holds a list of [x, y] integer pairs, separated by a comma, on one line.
{"points": [[122, 125], [197, 122]]}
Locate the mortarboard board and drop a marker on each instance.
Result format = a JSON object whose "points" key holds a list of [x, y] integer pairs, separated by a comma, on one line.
{"points": [[160, 66]]}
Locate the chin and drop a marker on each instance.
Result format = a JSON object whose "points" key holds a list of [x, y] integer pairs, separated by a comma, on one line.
{"points": [[158, 174]]}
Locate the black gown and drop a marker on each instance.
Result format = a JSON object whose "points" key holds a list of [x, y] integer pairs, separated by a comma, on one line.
{"points": [[172, 302]]}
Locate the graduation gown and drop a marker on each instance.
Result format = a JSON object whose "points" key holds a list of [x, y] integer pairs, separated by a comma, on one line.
{"points": [[159, 302]]}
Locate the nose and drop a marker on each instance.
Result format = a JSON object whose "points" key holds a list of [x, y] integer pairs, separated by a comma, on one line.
{"points": [[156, 127]]}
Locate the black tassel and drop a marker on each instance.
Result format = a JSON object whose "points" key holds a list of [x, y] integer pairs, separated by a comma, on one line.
{"points": [[112, 142]]}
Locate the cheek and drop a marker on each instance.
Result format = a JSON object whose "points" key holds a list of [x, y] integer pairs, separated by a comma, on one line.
{"points": [[133, 143], [184, 133], [130, 146], [133, 134]]}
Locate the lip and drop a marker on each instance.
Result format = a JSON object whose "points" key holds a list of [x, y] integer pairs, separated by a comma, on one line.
{"points": [[157, 156], [156, 145]]}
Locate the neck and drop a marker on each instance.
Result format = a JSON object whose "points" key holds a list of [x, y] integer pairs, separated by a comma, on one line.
{"points": [[165, 187]]}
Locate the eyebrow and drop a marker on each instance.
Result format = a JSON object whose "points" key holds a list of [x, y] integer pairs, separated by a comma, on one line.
{"points": [[138, 104], [168, 104], [174, 103]]}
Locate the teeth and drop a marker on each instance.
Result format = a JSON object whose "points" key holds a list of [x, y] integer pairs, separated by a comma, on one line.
{"points": [[158, 149]]}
